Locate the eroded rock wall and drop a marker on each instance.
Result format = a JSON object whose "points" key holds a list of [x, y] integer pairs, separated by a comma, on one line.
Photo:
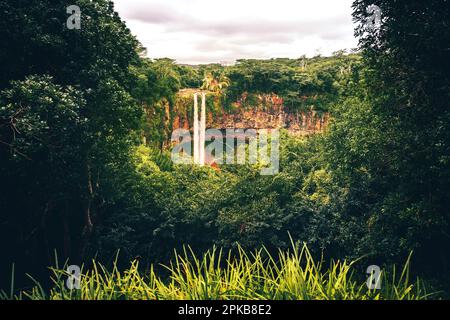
{"points": [[269, 113]]}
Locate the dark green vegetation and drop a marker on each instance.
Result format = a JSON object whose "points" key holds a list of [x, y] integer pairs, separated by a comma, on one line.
{"points": [[76, 179]]}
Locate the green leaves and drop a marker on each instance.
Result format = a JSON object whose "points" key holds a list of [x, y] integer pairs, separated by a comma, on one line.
{"points": [[38, 116], [302, 83], [239, 275], [67, 122]]}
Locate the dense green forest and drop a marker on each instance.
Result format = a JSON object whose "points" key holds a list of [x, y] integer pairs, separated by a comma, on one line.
{"points": [[85, 168]]}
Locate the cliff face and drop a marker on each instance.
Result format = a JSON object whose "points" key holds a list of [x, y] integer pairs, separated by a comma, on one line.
{"points": [[268, 113], [298, 123]]}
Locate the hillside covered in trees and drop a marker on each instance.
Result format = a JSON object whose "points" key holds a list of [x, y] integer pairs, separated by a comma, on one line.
{"points": [[85, 168]]}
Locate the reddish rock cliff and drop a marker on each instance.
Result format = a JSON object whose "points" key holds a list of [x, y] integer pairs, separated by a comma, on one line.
{"points": [[269, 113]]}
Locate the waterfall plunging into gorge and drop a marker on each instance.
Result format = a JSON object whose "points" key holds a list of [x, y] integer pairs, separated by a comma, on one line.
{"points": [[199, 130]]}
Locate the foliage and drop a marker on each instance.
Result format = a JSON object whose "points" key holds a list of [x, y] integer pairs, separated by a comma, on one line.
{"points": [[301, 82], [76, 104], [292, 275], [67, 122], [215, 85], [403, 147]]}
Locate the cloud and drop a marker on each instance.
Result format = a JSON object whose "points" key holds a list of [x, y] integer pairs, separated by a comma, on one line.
{"points": [[149, 12], [199, 31]]}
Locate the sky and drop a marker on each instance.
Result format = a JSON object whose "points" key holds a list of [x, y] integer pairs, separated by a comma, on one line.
{"points": [[207, 31]]}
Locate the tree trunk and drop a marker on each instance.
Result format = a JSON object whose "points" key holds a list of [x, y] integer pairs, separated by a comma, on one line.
{"points": [[88, 225]]}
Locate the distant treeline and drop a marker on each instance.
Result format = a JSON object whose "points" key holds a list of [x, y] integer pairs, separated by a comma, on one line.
{"points": [[303, 84]]}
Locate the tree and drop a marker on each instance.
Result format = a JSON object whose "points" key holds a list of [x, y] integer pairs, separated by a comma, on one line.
{"points": [[393, 155], [216, 85], [68, 123]]}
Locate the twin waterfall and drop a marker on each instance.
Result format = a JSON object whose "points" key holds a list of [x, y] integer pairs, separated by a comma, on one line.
{"points": [[199, 130]]}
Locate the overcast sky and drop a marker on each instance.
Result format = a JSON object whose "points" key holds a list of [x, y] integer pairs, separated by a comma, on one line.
{"points": [[204, 31]]}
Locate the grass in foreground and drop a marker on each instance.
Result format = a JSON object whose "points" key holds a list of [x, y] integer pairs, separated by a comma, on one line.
{"points": [[294, 275]]}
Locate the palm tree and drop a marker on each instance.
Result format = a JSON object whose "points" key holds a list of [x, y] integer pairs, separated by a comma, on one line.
{"points": [[215, 84]]}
